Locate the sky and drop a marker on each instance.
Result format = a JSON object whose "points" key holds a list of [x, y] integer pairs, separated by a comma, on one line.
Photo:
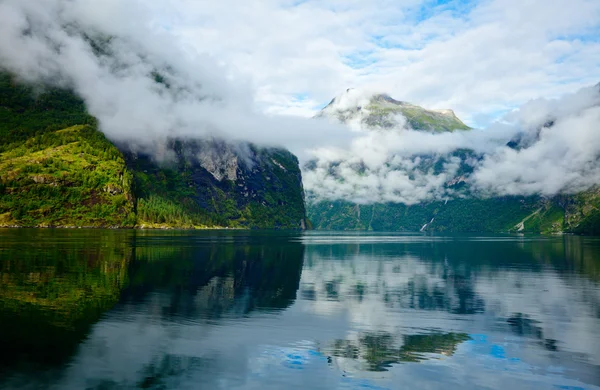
{"points": [[479, 58]]}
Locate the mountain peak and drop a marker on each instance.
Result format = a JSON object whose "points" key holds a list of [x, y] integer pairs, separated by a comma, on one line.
{"points": [[379, 110]]}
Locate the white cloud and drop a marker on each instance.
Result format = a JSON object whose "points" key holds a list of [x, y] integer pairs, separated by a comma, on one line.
{"points": [[478, 58], [40, 41]]}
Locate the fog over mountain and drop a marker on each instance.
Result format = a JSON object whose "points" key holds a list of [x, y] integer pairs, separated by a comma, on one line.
{"points": [[144, 86]]}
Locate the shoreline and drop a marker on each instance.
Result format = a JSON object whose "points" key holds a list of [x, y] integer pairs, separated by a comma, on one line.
{"points": [[220, 228], [137, 227]]}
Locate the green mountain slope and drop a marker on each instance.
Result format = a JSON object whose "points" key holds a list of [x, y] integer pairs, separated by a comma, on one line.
{"points": [[57, 169], [70, 177]]}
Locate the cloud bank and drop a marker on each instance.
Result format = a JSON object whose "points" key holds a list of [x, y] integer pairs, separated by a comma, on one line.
{"points": [[480, 58]]}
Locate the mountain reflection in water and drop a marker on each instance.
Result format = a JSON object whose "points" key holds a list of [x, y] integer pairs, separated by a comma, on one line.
{"points": [[173, 309]]}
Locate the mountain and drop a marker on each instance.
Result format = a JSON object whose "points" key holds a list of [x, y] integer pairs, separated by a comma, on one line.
{"points": [[381, 111], [213, 183], [561, 214], [57, 169], [465, 210]]}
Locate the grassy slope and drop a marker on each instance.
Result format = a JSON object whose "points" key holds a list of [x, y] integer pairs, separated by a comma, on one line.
{"points": [[382, 110], [418, 118], [70, 177]]}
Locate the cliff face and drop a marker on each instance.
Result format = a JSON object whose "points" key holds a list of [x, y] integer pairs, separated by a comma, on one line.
{"points": [[57, 169]]}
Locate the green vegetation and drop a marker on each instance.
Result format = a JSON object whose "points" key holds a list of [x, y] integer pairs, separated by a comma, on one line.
{"points": [[57, 169], [578, 213], [266, 194], [382, 112], [418, 118], [166, 198], [583, 212], [26, 111], [459, 215], [379, 351]]}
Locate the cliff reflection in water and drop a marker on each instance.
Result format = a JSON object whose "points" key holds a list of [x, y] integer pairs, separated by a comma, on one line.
{"points": [[232, 275], [56, 284]]}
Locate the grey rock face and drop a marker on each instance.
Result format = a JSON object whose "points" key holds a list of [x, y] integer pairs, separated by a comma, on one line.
{"points": [[219, 159]]}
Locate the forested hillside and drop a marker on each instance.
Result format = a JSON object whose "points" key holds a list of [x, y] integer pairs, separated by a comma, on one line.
{"points": [[572, 214]]}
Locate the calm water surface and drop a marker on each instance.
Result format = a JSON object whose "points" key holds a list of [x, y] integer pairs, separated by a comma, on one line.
{"points": [[97, 309]]}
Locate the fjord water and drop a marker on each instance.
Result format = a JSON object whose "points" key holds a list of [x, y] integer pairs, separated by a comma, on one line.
{"points": [[103, 309]]}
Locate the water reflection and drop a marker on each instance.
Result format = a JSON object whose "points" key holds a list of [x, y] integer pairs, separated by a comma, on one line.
{"points": [[215, 279], [127, 309], [50, 293], [381, 351], [541, 294]]}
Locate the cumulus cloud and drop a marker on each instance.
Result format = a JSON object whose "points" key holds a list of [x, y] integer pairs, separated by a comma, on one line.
{"points": [[477, 57], [564, 156]]}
